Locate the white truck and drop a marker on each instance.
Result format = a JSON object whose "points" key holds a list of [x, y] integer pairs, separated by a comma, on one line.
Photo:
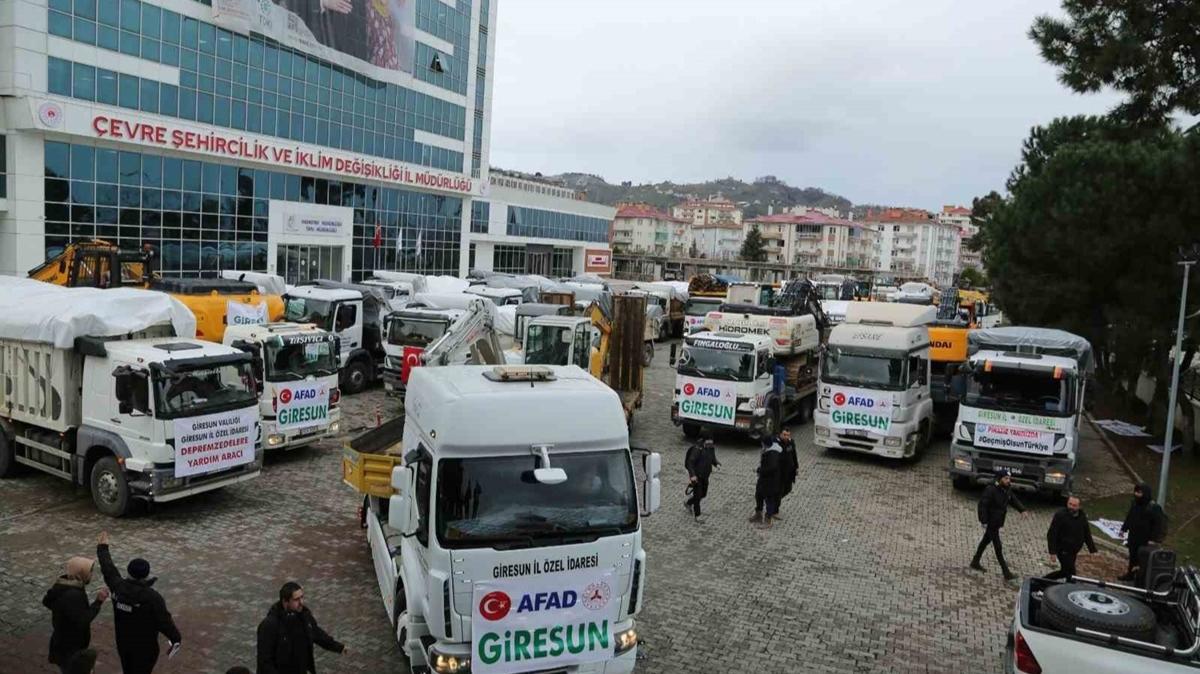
{"points": [[696, 310], [296, 366], [517, 550], [406, 335], [1087, 625], [353, 312], [110, 390], [1021, 399], [788, 334], [874, 385]]}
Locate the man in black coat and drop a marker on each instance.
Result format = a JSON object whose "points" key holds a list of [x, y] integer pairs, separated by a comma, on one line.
{"points": [[1145, 523], [791, 464], [1069, 531], [71, 614], [993, 510], [139, 612], [286, 636], [770, 483], [700, 461]]}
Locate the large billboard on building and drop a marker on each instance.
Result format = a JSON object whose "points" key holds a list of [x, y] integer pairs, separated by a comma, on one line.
{"points": [[597, 261], [378, 32]]}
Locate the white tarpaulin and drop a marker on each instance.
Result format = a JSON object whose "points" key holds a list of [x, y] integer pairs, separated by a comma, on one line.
{"points": [[446, 285], [506, 320], [41, 312], [213, 442], [237, 313], [1122, 428], [268, 284], [545, 621], [1111, 528]]}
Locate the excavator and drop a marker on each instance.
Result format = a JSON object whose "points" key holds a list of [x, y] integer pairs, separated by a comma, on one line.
{"points": [[948, 351], [215, 302]]}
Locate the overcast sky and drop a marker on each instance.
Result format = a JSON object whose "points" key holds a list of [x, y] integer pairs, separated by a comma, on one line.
{"points": [[917, 102]]}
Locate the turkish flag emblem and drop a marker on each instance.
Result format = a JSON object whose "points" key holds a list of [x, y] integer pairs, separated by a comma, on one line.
{"points": [[839, 398], [494, 605], [412, 358], [285, 396]]}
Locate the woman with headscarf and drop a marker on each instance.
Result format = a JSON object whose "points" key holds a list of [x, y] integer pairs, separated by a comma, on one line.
{"points": [[71, 613]]}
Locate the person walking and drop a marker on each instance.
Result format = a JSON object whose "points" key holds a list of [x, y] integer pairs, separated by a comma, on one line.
{"points": [[71, 614], [769, 485], [139, 612], [699, 461], [286, 636], [1069, 532], [791, 465], [1146, 522], [83, 662], [993, 510]]}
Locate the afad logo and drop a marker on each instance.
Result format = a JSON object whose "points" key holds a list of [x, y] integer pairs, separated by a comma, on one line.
{"points": [[690, 389], [497, 604]]}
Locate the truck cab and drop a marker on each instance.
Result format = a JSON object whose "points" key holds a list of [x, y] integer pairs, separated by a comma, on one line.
{"points": [[722, 380], [519, 550], [406, 335], [341, 312], [1023, 394], [560, 340], [874, 393], [696, 310], [296, 366], [398, 293]]}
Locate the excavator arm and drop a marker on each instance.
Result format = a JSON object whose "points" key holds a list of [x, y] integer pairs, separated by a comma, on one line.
{"points": [[97, 264], [472, 339]]}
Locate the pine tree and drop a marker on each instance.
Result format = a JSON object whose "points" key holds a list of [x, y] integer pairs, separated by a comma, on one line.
{"points": [[753, 249]]}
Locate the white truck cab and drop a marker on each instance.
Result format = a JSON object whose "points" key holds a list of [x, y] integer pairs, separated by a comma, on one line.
{"points": [[296, 366], [398, 293], [697, 309], [406, 335], [1021, 402], [516, 550], [498, 296], [340, 311], [874, 392]]}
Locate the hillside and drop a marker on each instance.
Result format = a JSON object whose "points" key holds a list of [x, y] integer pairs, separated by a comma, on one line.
{"points": [[754, 197]]}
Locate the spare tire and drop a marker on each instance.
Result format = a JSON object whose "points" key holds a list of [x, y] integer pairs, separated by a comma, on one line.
{"points": [[1072, 605]]}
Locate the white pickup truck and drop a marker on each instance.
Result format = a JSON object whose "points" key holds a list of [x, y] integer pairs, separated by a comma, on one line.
{"points": [[510, 551], [1087, 626]]}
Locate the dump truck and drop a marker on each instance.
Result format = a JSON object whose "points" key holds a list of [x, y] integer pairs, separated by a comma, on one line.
{"points": [[296, 366], [355, 313], [1021, 397], [874, 383], [486, 545], [110, 390]]}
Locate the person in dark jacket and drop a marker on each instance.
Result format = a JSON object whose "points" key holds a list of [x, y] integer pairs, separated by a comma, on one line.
{"points": [[770, 483], [993, 510], [1069, 532], [71, 614], [791, 464], [286, 636], [139, 612], [700, 461], [83, 662], [1145, 523]]}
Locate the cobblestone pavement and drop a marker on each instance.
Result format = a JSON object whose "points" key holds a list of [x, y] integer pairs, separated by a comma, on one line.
{"points": [[866, 572]]}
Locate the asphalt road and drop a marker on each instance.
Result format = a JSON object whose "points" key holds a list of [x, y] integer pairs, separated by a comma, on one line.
{"points": [[865, 573]]}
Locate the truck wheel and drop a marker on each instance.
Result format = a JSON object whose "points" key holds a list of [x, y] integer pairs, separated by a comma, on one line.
{"points": [[8, 461], [401, 622], [356, 376], [691, 431], [1072, 605], [110, 491], [648, 354]]}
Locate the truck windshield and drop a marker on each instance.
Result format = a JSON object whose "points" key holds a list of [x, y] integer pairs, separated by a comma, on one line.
{"points": [[544, 345], [307, 310], [485, 502], [406, 331], [203, 390], [1035, 391], [716, 364], [828, 292], [297, 360], [699, 308], [865, 370]]}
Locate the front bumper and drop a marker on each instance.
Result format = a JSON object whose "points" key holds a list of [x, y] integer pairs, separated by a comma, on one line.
{"points": [[160, 484], [391, 380], [867, 442], [301, 437], [1030, 472]]}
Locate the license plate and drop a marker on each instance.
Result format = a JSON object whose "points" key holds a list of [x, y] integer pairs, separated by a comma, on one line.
{"points": [[1015, 470], [854, 433]]}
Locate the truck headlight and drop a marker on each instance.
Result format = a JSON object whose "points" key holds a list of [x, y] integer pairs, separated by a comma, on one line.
{"points": [[335, 427], [963, 463], [893, 441], [275, 439], [625, 641], [444, 663], [821, 431], [1056, 477]]}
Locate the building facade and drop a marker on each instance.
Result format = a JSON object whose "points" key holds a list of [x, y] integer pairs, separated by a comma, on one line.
{"points": [[817, 240], [641, 228], [719, 241], [525, 225], [233, 134], [912, 244], [960, 218], [711, 212]]}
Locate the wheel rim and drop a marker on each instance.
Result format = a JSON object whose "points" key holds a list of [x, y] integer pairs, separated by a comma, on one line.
{"points": [[357, 377], [107, 487], [1098, 602]]}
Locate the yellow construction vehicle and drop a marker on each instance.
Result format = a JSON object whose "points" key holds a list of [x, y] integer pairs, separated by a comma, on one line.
{"points": [[215, 302]]}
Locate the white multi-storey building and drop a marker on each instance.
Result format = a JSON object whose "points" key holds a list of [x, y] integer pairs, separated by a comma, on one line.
{"points": [[912, 244], [709, 212], [641, 228], [960, 218], [815, 239]]}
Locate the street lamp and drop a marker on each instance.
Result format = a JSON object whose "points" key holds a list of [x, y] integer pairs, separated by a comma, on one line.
{"points": [[1187, 259]]}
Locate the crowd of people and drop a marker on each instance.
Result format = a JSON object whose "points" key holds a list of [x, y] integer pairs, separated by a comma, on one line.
{"points": [[286, 636]]}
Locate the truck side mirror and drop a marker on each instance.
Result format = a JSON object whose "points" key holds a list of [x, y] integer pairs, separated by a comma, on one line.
{"points": [[400, 511], [652, 465]]}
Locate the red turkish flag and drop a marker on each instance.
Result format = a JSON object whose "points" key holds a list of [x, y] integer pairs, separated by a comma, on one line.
{"points": [[412, 358], [378, 241]]}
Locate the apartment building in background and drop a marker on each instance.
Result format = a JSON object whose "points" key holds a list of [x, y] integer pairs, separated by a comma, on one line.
{"points": [[960, 217], [643, 229], [715, 210], [815, 239], [912, 243]]}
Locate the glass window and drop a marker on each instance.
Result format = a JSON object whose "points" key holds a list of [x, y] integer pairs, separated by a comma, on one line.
{"points": [[169, 100], [84, 84], [58, 160], [170, 27], [85, 31], [149, 96], [191, 29], [59, 76], [83, 162], [128, 96], [60, 24]]}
